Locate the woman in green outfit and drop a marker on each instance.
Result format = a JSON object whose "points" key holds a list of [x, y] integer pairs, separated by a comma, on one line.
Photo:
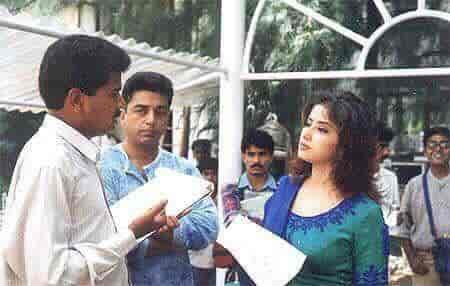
{"points": [[330, 212]]}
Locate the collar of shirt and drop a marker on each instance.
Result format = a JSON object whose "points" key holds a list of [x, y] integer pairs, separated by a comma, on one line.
{"points": [[72, 136], [131, 169], [443, 183], [269, 184]]}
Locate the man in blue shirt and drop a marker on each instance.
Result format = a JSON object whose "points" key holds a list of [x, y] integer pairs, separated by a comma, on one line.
{"points": [[257, 149], [161, 260], [248, 196]]}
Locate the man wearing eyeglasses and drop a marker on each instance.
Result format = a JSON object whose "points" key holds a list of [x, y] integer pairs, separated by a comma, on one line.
{"points": [[161, 260], [416, 226]]}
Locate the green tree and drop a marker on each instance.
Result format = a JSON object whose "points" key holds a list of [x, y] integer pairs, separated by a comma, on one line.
{"points": [[15, 130]]}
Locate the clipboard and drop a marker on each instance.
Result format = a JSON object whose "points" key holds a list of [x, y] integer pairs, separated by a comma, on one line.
{"points": [[182, 192], [179, 216]]}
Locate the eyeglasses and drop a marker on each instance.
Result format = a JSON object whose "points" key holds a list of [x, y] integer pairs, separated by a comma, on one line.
{"points": [[441, 144]]}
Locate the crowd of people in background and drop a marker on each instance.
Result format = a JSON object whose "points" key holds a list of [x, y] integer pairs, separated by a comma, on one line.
{"points": [[337, 203]]}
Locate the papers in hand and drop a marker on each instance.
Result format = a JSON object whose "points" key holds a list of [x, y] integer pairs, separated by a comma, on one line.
{"points": [[181, 191], [267, 259], [254, 207]]}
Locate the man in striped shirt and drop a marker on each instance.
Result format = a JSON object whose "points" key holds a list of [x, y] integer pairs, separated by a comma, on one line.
{"points": [[58, 229]]}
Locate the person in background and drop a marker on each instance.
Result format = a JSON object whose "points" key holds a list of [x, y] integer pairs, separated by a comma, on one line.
{"points": [[162, 259], [257, 149], [415, 224], [330, 213], [209, 169], [202, 260], [201, 149], [386, 181], [248, 196], [58, 229]]}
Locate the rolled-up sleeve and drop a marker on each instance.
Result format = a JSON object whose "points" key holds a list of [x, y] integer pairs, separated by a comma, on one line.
{"points": [[199, 227]]}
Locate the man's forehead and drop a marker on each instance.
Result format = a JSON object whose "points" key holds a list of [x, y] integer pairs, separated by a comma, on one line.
{"points": [[148, 98], [256, 149], [439, 137]]}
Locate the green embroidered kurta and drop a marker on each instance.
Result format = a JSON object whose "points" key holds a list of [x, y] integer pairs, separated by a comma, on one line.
{"points": [[347, 245]]}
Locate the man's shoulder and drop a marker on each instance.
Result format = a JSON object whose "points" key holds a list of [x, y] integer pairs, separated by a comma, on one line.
{"points": [[414, 185], [112, 157], [50, 151], [415, 180], [388, 173]]}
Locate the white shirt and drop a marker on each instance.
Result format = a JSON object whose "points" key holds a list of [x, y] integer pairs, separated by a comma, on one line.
{"points": [[416, 224], [58, 229], [387, 186]]}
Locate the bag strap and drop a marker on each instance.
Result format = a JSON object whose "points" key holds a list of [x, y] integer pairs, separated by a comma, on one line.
{"points": [[428, 203]]}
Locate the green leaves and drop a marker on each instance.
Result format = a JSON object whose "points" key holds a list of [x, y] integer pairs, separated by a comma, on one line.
{"points": [[15, 129]]}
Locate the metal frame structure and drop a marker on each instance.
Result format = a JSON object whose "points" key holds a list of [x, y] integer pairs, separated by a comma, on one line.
{"points": [[364, 42], [189, 70], [132, 51]]}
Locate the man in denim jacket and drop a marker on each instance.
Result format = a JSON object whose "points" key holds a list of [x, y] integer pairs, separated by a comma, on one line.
{"points": [[161, 260]]}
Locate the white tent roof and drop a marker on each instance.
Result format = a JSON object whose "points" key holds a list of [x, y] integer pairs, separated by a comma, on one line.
{"points": [[24, 40]]}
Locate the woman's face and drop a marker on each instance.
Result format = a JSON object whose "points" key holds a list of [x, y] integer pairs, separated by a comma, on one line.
{"points": [[319, 137]]}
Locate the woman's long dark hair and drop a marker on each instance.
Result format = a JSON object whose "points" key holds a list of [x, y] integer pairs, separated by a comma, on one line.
{"points": [[353, 167]]}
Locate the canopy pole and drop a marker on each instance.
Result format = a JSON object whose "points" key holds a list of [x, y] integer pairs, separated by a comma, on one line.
{"points": [[231, 98], [231, 90]]}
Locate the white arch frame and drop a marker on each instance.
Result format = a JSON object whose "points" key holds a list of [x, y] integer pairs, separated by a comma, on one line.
{"points": [[364, 42]]}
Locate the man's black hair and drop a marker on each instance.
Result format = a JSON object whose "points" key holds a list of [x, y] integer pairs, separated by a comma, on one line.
{"points": [[149, 81], [202, 144], [257, 138], [383, 132], [438, 130], [78, 61], [208, 164]]}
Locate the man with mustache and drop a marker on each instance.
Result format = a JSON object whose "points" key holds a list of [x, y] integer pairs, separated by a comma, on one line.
{"points": [[161, 260], [416, 225], [257, 149], [386, 181]]}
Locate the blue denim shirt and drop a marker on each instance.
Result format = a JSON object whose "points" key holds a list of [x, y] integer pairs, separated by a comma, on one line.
{"points": [[246, 190], [196, 230]]}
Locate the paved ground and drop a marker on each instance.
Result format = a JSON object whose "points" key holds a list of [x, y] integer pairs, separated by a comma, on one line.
{"points": [[400, 272]]}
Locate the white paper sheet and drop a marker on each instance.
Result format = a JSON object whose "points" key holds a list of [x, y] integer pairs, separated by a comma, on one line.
{"points": [[181, 191], [267, 259], [254, 207]]}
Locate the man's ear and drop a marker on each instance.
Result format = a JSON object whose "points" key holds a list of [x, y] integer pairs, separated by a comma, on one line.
{"points": [[122, 116], [75, 99]]}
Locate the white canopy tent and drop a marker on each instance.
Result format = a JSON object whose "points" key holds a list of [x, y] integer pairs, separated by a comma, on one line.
{"points": [[25, 38]]}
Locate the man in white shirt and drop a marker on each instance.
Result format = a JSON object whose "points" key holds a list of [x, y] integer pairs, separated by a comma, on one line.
{"points": [[58, 229], [386, 181], [415, 226]]}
